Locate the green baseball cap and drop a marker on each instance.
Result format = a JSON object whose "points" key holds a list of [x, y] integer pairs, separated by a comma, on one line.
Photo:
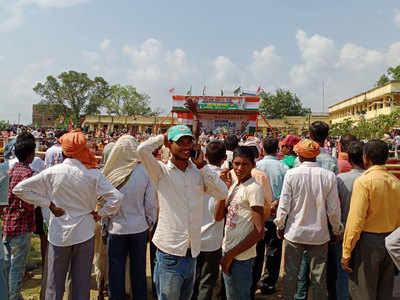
{"points": [[178, 131]]}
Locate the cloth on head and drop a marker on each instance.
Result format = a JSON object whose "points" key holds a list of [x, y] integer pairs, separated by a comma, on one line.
{"points": [[307, 148], [107, 151], [290, 140], [122, 161], [74, 145]]}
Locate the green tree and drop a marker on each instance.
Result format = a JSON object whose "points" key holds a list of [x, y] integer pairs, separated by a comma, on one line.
{"points": [[127, 101], [339, 129], [392, 73], [281, 104], [73, 94]]}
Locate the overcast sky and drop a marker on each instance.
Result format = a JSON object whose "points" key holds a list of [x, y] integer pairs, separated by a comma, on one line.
{"points": [[158, 45]]}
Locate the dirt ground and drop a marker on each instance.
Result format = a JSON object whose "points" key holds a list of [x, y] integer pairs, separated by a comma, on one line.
{"points": [[31, 287]]}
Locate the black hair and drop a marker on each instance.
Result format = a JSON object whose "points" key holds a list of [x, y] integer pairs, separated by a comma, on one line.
{"points": [[377, 151], [24, 146], [215, 152], [255, 150], [244, 151], [345, 140], [60, 133], [231, 142], [319, 131], [271, 145], [355, 152]]}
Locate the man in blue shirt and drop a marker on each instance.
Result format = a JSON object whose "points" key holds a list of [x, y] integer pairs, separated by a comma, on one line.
{"points": [[276, 171]]}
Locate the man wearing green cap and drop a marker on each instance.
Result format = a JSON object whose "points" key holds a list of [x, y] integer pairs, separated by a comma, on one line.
{"points": [[180, 184]]}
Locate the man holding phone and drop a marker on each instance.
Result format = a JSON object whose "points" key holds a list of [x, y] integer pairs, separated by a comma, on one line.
{"points": [[181, 184]]}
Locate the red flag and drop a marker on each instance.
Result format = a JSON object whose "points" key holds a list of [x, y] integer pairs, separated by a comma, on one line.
{"points": [[70, 125], [171, 91], [83, 122], [259, 89]]}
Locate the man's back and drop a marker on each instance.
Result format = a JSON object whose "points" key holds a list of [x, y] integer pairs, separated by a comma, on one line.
{"points": [[377, 193], [309, 195], [276, 172], [345, 189]]}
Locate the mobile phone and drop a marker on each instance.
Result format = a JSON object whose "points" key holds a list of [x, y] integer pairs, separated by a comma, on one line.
{"points": [[194, 154]]}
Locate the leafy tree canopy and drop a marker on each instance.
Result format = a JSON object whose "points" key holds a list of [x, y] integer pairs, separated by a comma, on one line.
{"points": [[73, 93], [281, 104], [127, 101], [393, 73]]}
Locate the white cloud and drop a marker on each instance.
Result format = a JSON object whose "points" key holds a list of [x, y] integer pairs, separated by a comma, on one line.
{"points": [[396, 18], [13, 15], [317, 53], [13, 11], [105, 44], [148, 52], [393, 55], [225, 70], [356, 57], [57, 3], [264, 63], [91, 56]]}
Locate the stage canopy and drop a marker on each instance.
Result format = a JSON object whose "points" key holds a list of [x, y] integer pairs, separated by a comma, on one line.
{"points": [[220, 113]]}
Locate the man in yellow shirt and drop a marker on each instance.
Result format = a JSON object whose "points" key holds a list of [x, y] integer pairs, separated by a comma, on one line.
{"points": [[374, 214]]}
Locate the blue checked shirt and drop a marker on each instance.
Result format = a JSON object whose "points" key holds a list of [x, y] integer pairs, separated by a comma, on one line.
{"points": [[276, 171]]}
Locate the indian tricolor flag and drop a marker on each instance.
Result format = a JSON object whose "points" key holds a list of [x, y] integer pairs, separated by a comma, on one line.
{"points": [[251, 103], [185, 118]]}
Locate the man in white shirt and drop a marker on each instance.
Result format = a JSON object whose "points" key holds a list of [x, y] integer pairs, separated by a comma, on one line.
{"points": [[244, 212], [74, 187], [211, 232], [309, 198], [54, 155], [181, 184]]}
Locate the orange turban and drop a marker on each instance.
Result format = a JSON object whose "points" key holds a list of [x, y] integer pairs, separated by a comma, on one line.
{"points": [[307, 148], [74, 145]]}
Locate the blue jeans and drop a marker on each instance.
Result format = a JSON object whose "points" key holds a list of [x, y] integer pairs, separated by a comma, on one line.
{"points": [[3, 273], [303, 279], [174, 276], [119, 247], [342, 281], [16, 250], [240, 279]]}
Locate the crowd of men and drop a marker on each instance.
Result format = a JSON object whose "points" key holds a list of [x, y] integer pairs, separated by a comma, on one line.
{"points": [[243, 212]]}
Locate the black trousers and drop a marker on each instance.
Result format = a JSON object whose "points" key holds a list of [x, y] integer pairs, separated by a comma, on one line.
{"points": [[273, 247]]}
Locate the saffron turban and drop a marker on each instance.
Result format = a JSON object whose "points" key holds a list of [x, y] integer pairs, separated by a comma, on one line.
{"points": [[307, 148], [74, 145]]}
